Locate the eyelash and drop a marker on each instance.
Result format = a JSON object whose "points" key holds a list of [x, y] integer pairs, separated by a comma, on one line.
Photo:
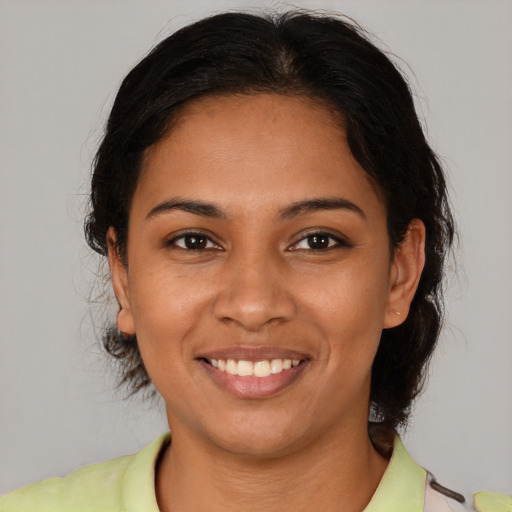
{"points": [[338, 242], [190, 235]]}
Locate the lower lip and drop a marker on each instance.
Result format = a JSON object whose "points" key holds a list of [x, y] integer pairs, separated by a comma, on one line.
{"points": [[254, 387]]}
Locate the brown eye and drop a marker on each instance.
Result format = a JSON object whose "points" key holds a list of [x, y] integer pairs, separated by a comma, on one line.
{"points": [[193, 242], [320, 241]]}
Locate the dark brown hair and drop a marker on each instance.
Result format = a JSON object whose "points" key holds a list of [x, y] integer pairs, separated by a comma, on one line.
{"points": [[321, 57]]}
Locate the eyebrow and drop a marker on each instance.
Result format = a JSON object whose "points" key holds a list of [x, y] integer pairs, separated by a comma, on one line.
{"points": [[186, 205], [318, 204], [205, 209]]}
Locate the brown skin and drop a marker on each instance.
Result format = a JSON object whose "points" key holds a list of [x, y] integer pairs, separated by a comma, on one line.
{"points": [[258, 283]]}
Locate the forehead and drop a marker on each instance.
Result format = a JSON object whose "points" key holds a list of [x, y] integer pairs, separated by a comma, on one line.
{"points": [[274, 107], [252, 148]]}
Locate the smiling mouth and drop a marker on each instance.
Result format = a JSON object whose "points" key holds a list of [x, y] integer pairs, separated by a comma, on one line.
{"points": [[254, 373], [244, 368]]}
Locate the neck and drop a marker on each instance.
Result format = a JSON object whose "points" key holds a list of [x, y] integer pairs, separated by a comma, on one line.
{"points": [[339, 473]]}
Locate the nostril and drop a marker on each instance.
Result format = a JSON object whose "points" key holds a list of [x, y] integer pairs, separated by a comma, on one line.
{"points": [[253, 310]]}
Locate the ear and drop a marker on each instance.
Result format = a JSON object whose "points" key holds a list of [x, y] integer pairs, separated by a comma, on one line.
{"points": [[119, 272], [405, 273]]}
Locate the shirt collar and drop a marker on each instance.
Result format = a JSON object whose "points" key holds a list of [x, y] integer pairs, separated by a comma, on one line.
{"points": [[138, 487], [402, 487]]}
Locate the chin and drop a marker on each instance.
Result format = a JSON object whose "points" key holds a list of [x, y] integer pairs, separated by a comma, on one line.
{"points": [[258, 447], [261, 440]]}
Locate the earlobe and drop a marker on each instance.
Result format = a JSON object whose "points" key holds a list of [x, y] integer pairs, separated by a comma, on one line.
{"points": [[406, 269], [119, 273]]}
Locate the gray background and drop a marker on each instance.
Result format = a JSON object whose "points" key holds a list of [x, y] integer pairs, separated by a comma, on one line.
{"points": [[60, 65]]}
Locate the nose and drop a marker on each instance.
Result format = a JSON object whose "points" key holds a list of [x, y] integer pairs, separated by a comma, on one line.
{"points": [[254, 295]]}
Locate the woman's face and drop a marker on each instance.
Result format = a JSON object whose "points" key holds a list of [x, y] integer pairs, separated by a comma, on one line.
{"points": [[256, 241]]}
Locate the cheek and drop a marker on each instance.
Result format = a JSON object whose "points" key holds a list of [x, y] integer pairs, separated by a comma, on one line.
{"points": [[166, 307], [347, 300], [348, 308]]}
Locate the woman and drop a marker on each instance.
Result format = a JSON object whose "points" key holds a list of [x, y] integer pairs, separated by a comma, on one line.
{"points": [[276, 227]]}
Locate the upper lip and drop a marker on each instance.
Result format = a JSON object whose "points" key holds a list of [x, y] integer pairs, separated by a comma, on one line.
{"points": [[258, 353]]}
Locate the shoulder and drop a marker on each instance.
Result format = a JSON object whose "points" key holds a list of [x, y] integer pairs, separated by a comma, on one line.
{"points": [[492, 502], [406, 482], [99, 483], [101, 487], [441, 499]]}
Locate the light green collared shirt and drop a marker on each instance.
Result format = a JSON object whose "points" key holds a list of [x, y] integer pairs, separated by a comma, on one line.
{"points": [[128, 484]]}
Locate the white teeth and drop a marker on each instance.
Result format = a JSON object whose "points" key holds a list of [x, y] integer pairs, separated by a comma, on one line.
{"points": [[276, 365], [262, 368], [231, 366], [245, 368]]}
